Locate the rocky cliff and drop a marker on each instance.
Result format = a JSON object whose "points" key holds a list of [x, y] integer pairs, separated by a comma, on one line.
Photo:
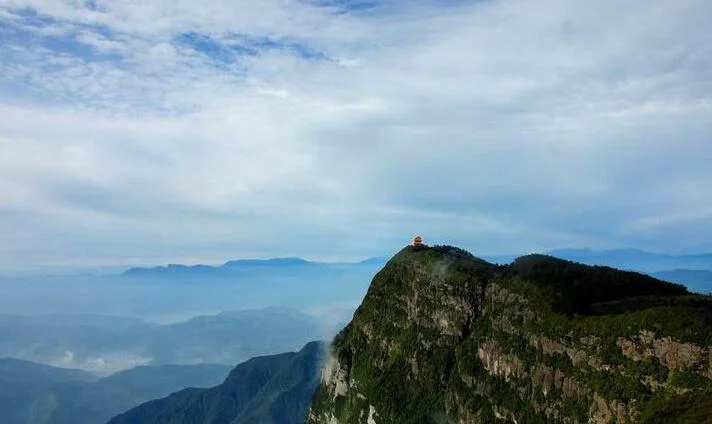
{"points": [[444, 337]]}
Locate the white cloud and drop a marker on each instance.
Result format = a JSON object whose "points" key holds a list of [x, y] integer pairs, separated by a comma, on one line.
{"points": [[503, 126]]}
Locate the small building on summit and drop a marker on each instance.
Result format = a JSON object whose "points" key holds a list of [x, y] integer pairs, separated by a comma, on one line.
{"points": [[418, 241]]}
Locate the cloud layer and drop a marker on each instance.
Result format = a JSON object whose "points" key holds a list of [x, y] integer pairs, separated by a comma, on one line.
{"points": [[176, 130]]}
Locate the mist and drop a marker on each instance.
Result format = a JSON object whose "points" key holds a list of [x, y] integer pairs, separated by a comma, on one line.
{"points": [[177, 314], [161, 298]]}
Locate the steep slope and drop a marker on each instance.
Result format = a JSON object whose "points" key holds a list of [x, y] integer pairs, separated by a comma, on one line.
{"points": [[98, 402], [444, 337], [273, 389]]}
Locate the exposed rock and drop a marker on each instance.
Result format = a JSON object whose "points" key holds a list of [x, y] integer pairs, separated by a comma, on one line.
{"points": [[577, 356], [673, 354], [604, 411], [676, 355], [371, 415], [630, 349], [546, 379], [498, 363]]}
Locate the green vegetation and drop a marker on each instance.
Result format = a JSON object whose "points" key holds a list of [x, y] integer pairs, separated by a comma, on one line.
{"points": [[443, 334], [573, 288], [691, 408]]}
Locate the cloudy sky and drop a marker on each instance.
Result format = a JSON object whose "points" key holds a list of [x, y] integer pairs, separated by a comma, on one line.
{"points": [[160, 131]]}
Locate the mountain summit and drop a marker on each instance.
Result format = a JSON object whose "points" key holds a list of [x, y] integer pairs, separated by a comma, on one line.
{"points": [[445, 337]]}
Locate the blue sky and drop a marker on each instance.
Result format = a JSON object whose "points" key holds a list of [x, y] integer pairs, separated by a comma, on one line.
{"points": [[181, 131]]}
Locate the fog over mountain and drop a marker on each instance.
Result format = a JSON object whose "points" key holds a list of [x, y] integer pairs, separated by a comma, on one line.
{"points": [[161, 317], [176, 292], [104, 344], [177, 314]]}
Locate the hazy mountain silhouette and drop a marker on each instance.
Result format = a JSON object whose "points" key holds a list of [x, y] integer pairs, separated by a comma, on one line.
{"points": [[33, 393]]}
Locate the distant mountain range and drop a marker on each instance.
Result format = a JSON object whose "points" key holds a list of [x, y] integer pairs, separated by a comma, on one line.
{"points": [[627, 259], [107, 344], [274, 262], [273, 389], [635, 259], [228, 268], [33, 393], [696, 280], [172, 292]]}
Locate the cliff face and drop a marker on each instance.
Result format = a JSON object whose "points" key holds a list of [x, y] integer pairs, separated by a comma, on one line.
{"points": [[443, 337]]}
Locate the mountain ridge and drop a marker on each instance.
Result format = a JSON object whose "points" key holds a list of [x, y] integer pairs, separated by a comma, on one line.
{"points": [[273, 389], [231, 266], [623, 258]]}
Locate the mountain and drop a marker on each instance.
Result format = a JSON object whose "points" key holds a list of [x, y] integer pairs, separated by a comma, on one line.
{"points": [[21, 382], [107, 344], [274, 262], [443, 336], [39, 394], [168, 293], [699, 281], [233, 337], [173, 270], [17, 373], [693, 271], [376, 260], [634, 259], [226, 269], [273, 389]]}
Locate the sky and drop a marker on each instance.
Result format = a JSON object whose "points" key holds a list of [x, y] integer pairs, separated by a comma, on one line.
{"points": [[155, 131]]}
